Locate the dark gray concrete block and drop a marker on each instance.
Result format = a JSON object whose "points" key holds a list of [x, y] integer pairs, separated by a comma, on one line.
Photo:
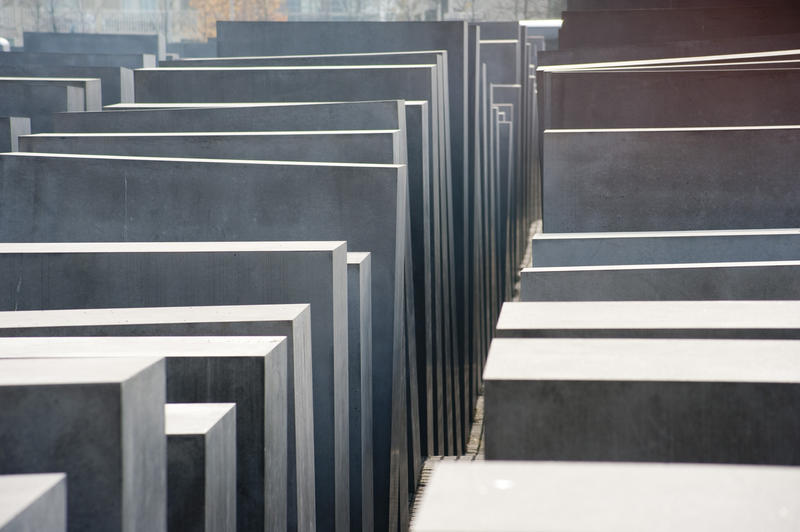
{"points": [[100, 421], [664, 282], [187, 48], [91, 43], [221, 273], [33, 502], [600, 5], [117, 82], [691, 401], [92, 88], [39, 100], [79, 59], [502, 58], [650, 319], [201, 466], [11, 128], [359, 315], [293, 437], [498, 30], [584, 29], [500, 496], [316, 201], [670, 179], [666, 247]]}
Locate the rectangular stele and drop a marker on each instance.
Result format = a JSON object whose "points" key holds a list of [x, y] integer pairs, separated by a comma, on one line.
{"points": [[693, 401], [496, 496], [100, 421], [33, 502], [201, 466], [273, 387]]}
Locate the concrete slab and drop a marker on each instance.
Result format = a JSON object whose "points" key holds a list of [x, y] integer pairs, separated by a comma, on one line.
{"points": [[617, 180], [595, 497], [664, 247], [650, 319], [33, 502], [691, 401], [11, 127], [502, 58], [100, 421], [90, 43], [222, 273], [79, 59], [92, 88], [294, 436], [776, 280], [201, 466], [117, 82], [38, 100]]}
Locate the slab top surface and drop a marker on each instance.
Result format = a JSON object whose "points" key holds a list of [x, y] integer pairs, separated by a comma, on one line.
{"points": [[42, 371], [750, 361], [595, 497], [682, 266], [667, 234], [17, 492], [194, 418]]}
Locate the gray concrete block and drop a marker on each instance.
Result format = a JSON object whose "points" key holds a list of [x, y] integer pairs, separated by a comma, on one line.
{"points": [[100, 421], [650, 319], [363, 204], [293, 438], [92, 88], [91, 43], [600, 5], [584, 29], [221, 273], [11, 127], [670, 179], [664, 247], [79, 59], [39, 100], [359, 315], [779, 280], [690, 401], [201, 466], [33, 502], [116, 82], [501, 496], [502, 59]]}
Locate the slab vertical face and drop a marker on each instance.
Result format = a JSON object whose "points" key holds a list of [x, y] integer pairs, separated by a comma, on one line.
{"points": [[11, 128], [504, 496], [201, 466], [85, 412], [88, 43], [33, 502], [39, 100], [287, 380], [117, 83], [694, 401], [80, 59], [650, 319]]}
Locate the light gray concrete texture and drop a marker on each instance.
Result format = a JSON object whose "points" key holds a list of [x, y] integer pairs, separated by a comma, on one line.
{"points": [[220, 273], [201, 466], [100, 421], [689, 98], [595, 497], [670, 179], [92, 87], [359, 316], [11, 127], [584, 29], [286, 436], [33, 502], [664, 247], [651, 319], [265, 38], [116, 82], [79, 59], [779, 280], [39, 100], [673, 400], [92, 43]]}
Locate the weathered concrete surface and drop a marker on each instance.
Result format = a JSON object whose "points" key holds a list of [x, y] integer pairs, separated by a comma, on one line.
{"points": [[664, 247], [221, 273], [670, 179], [33, 502], [91, 43], [691, 401], [79, 59], [650, 319], [224, 209], [779, 280], [39, 100], [101, 422], [117, 82], [201, 466], [584, 29], [292, 439], [359, 315], [502, 496], [11, 127]]}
